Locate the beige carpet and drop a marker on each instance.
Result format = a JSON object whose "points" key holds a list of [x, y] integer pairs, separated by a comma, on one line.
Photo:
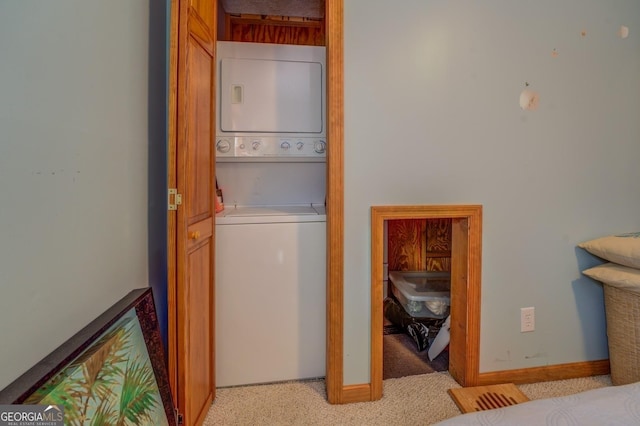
{"points": [[409, 400]]}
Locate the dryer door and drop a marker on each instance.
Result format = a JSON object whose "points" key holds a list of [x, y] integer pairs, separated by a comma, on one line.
{"points": [[270, 96]]}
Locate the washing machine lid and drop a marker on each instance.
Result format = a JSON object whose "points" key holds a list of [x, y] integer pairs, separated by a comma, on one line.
{"points": [[269, 211]]}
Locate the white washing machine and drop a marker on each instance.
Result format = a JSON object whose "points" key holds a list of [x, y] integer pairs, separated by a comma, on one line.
{"points": [[270, 295], [270, 272]]}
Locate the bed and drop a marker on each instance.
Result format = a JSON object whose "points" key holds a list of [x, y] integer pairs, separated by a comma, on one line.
{"points": [[611, 405]]}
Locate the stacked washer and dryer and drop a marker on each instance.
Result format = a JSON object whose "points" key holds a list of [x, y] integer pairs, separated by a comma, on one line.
{"points": [[270, 264]]}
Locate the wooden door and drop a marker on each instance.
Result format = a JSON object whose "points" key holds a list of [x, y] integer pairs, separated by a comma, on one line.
{"points": [[192, 171]]}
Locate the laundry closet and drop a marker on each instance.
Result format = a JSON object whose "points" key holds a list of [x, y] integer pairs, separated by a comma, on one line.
{"points": [[270, 271]]}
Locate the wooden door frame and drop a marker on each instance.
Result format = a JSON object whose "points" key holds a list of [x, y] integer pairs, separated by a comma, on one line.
{"points": [[336, 394], [466, 260]]}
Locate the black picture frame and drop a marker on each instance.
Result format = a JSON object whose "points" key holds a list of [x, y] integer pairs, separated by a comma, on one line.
{"points": [[113, 336]]}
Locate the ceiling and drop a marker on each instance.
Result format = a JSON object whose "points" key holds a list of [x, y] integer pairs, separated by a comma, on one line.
{"points": [[297, 8]]}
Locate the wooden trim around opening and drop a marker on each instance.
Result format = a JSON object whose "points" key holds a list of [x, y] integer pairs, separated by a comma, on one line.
{"points": [[356, 393], [335, 201], [466, 259]]}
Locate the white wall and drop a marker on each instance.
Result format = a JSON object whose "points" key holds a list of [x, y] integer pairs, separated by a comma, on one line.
{"points": [[73, 168], [432, 116]]}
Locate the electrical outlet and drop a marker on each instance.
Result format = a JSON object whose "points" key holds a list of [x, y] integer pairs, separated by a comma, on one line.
{"points": [[527, 319]]}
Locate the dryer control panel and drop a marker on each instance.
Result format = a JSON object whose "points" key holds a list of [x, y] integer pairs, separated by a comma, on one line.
{"points": [[270, 147]]}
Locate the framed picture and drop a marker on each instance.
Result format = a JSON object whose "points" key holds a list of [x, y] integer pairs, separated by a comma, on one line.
{"points": [[113, 371]]}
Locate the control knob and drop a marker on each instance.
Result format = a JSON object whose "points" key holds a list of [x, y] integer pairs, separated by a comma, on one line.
{"points": [[223, 146], [299, 145], [255, 145], [320, 147], [285, 145]]}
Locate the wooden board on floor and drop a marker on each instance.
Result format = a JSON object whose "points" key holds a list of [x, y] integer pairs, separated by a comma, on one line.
{"points": [[481, 398]]}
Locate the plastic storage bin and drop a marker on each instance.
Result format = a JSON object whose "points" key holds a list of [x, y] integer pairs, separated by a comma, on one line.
{"points": [[423, 294]]}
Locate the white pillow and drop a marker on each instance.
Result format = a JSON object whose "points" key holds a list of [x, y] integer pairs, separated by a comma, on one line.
{"points": [[623, 249], [616, 275]]}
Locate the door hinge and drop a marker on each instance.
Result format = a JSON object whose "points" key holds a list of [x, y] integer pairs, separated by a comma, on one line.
{"points": [[179, 417], [174, 199]]}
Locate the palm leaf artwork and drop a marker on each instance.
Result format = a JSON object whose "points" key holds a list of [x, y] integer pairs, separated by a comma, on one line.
{"points": [[91, 374], [101, 371], [105, 414], [111, 383], [138, 396], [61, 390]]}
